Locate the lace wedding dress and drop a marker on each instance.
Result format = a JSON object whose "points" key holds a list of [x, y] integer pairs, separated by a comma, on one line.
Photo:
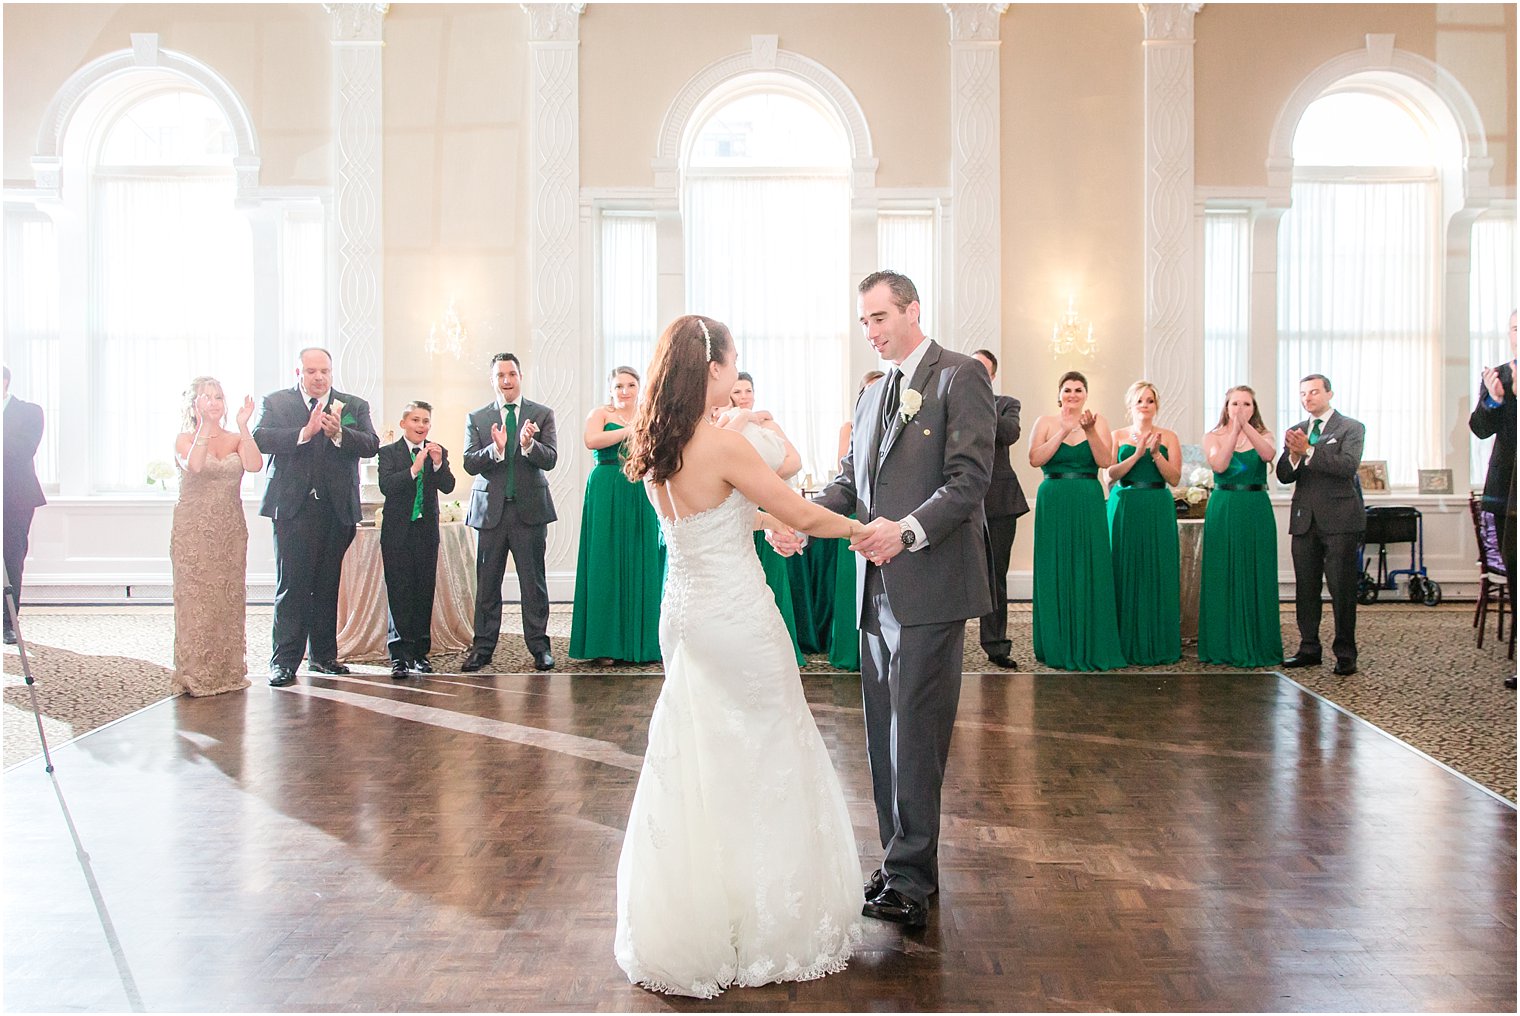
{"points": [[739, 863]]}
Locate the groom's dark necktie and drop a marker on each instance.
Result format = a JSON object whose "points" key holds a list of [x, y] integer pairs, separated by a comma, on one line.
{"points": [[890, 402]]}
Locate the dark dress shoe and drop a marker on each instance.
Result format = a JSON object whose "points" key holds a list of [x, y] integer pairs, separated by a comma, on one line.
{"points": [[327, 667], [893, 906], [1004, 660], [543, 660], [1301, 660], [421, 666], [875, 885], [279, 677], [1509, 682], [475, 661], [1344, 668], [10, 637], [398, 670]]}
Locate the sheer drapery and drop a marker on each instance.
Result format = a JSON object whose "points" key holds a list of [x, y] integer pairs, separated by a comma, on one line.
{"points": [[768, 256], [1492, 298], [31, 324], [174, 300], [1226, 307], [905, 243], [1357, 302], [628, 293]]}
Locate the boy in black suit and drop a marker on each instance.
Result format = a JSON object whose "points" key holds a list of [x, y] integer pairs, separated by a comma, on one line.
{"points": [[412, 472]]}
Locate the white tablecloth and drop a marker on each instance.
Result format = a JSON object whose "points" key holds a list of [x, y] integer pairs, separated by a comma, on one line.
{"points": [[361, 594]]}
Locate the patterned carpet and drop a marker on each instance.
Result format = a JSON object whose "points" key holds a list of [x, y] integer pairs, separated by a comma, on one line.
{"points": [[1421, 678]]}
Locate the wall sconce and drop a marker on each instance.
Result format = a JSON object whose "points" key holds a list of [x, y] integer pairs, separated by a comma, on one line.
{"points": [[1067, 335], [449, 334]]}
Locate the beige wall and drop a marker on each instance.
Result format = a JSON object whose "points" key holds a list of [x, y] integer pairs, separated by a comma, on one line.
{"points": [[635, 58], [1073, 206], [1249, 58], [275, 57], [456, 219]]}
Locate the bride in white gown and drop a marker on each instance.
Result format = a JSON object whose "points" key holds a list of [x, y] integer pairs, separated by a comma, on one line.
{"points": [[739, 864]]}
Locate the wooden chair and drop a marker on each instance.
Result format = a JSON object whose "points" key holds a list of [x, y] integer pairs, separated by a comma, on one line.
{"points": [[1493, 584]]}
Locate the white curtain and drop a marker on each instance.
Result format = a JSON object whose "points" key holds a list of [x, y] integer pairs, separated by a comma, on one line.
{"points": [[1226, 307], [905, 244], [1492, 298], [303, 284], [174, 300], [628, 294], [1357, 302], [31, 325], [768, 256]]}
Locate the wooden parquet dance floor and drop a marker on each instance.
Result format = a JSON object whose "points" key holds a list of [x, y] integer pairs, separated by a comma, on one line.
{"points": [[1129, 842]]}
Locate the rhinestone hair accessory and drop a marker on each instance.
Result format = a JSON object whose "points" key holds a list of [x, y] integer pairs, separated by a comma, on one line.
{"points": [[706, 337]]}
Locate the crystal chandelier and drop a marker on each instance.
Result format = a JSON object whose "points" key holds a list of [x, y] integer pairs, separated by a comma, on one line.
{"points": [[1067, 335], [448, 335]]}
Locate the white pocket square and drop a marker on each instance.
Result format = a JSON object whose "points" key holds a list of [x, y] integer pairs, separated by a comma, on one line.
{"points": [[1330, 441]]}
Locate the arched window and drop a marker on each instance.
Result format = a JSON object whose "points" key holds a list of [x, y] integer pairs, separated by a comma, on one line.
{"points": [[171, 262], [1360, 262], [766, 200]]}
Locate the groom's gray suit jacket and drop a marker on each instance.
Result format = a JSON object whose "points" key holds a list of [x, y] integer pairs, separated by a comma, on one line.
{"points": [[935, 467]]}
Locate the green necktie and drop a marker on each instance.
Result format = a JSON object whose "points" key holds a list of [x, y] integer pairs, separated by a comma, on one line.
{"points": [[1314, 432], [510, 451], [417, 501]]}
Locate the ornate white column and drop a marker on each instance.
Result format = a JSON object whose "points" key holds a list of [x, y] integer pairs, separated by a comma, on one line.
{"points": [[554, 183], [1173, 343], [358, 345], [975, 284]]}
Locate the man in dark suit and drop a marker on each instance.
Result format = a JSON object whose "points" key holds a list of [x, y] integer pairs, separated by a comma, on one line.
{"points": [[510, 445], [412, 471], [23, 494], [1004, 504], [1327, 519], [916, 473], [314, 437]]}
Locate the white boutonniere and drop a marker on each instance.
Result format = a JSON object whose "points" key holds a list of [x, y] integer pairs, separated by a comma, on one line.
{"points": [[911, 402]]}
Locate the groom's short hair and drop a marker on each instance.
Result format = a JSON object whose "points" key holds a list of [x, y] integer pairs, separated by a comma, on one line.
{"points": [[903, 290]]}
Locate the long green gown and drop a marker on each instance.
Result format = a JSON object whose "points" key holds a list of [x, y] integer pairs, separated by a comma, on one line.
{"points": [[780, 582], [1075, 626], [844, 642], [620, 567], [1238, 617], [1142, 528]]}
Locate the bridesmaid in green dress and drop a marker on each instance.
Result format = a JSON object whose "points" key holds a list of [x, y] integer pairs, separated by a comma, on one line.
{"points": [[1075, 626], [1142, 528], [774, 565], [1238, 617], [620, 568]]}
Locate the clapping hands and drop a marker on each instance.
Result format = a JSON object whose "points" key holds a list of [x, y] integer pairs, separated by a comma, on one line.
{"points": [[245, 413], [1494, 385], [434, 453], [1296, 441]]}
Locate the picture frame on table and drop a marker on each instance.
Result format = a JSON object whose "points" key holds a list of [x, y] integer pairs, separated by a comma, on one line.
{"points": [[1435, 481], [1374, 475]]}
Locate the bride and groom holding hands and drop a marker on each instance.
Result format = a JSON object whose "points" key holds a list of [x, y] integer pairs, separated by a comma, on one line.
{"points": [[739, 864]]}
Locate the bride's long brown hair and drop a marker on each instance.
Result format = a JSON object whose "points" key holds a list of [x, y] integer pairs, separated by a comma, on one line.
{"points": [[675, 398]]}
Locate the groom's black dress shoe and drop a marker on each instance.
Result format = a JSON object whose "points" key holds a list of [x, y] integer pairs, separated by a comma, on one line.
{"points": [[1344, 667], [875, 884], [893, 906], [1004, 660], [543, 661], [327, 667], [1301, 660], [280, 676], [474, 662]]}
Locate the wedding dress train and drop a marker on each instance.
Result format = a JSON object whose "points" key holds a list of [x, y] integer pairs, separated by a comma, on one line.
{"points": [[739, 864]]}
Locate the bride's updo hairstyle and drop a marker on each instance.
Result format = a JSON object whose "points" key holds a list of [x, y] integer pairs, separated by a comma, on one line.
{"points": [[675, 398]]}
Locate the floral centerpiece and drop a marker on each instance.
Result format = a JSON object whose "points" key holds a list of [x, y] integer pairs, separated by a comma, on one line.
{"points": [[1193, 500], [448, 511], [159, 472]]}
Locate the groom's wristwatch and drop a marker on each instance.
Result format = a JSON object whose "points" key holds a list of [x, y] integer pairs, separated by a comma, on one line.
{"points": [[909, 537]]}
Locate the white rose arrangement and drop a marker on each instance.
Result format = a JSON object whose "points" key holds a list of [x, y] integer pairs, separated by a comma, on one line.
{"points": [[450, 511], [912, 401], [1200, 482], [159, 472]]}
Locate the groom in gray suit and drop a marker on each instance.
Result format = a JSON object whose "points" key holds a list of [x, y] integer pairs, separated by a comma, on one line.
{"points": [[1320, 458], [917, 471]]}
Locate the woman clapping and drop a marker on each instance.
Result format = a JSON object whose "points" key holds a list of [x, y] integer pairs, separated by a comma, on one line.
{"points": [[1075, 627], [1142, 526], [208, 543]]}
